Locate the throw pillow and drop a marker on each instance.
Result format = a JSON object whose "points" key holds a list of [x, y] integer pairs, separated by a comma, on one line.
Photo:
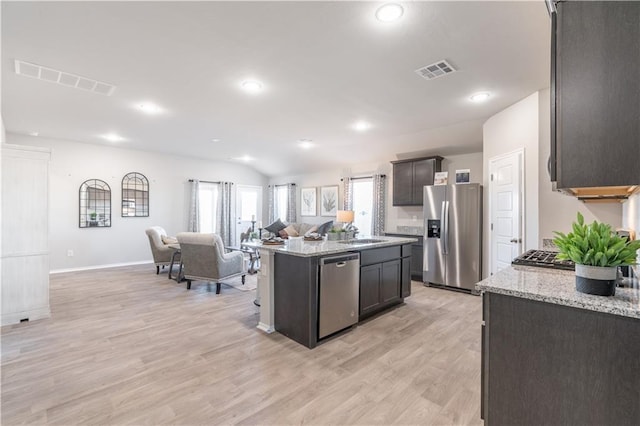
{"points": [[313, 229], [168, 240], [325, 227], [291, 231], [276, 227], [283, 234]]}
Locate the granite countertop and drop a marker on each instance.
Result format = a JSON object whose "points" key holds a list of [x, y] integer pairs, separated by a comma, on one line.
{"points": [[318, 248], [555, 286]]}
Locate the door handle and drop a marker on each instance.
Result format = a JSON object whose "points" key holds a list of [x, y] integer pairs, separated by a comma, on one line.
{"points": [[445, 232], [340, 264], [516, 240]]}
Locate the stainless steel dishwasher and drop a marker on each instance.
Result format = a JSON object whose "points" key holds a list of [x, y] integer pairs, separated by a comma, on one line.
{"points": [[339, 293]]}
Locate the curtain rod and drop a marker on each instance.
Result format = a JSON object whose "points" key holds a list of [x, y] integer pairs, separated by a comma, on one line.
{"points": [[208, 181], [283, 184], [362, 177]]}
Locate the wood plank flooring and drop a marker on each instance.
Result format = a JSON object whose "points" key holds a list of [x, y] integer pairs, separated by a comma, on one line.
{"points": [[127, 346]]}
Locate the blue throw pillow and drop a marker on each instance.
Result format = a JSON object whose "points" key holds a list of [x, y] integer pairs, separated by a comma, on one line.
{"points": [[276, 227], [325, 227]]}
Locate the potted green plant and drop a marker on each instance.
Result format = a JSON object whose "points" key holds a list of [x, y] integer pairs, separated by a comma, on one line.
{"points": [[597, 252]]}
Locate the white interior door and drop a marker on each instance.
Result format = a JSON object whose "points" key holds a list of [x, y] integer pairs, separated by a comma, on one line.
{"points": [[506, 189], [248, 208]]}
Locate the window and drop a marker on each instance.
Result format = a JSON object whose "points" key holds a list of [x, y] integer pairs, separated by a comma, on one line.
{"points": [[280, 202], [363, 205], [208, 207]]}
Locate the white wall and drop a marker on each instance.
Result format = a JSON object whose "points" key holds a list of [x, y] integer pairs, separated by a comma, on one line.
{"points": [[125, 241], [513, 128], [395, 216], [526, 124], [557, 210]]}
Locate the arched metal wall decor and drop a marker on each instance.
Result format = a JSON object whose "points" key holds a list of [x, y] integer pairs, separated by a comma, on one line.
{"points": [[135, 195], [95, 204]]}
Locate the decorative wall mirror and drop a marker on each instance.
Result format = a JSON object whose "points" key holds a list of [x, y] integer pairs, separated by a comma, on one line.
{"points": [[95, 204], [135, 195]]}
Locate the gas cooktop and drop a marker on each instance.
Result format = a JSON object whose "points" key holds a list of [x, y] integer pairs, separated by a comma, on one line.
{"points": [[542, 258]]}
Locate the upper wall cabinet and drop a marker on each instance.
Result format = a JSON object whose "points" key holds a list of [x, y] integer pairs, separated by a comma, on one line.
{"points": [[595, 96], [409, 178]]}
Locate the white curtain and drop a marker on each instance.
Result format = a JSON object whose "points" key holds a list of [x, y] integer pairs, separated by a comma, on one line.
{"points": [[379, 202], [194, 207], [271, 203], [291, 203], [225, 222], [348, 193]]}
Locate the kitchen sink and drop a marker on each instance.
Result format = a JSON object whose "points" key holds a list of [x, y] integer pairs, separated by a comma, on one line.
{"points": [[361, 241]]}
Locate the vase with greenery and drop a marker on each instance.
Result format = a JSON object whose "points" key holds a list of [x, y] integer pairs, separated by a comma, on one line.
{"points": [[597, 252]]}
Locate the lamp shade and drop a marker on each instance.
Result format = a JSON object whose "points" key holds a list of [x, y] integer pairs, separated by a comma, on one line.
{"points": [[345, 216]]}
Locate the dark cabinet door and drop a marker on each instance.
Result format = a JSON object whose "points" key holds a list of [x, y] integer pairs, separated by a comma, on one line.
{"points": [[390, 284], [405, 279], [422, 175], [370, 279], [416, 261], [403, 184], [597, 93]]}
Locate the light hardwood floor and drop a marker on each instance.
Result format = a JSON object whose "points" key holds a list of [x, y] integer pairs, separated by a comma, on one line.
{"points": [[126, 346]]}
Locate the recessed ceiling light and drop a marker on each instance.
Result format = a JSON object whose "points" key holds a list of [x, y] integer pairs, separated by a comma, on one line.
{"points": [[112, 137], [149, 108], [480, 97], [215, 140], [244, 158], [361, 126], [33, 133], [305, 143], [389, 12], [251, 86]]}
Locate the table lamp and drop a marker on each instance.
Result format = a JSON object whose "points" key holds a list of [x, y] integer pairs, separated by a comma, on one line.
{"points": [[345, 217]]}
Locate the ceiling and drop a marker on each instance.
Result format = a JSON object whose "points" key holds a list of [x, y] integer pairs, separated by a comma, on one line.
{"points": [[324, 65]]}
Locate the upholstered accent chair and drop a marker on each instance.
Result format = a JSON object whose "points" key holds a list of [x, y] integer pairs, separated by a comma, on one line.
{"points": [[159, 249], [204, 259]]}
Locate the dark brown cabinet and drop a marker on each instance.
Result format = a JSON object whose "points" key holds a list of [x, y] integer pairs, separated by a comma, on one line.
{"points": [[416, 255], [409, 178], [382, 279], [548, 364], [296, 284], [595, 94]]}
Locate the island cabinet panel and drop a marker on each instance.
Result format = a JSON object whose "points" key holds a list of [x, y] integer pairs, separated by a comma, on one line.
{"points": [[296, 298], [405, 278], [416, 253], [370, 279], [390, 285], [545, 363], [381, 278]]}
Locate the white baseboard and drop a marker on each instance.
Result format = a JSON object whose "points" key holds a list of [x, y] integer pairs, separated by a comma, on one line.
{"points": [[110, 265], [266, 328]]}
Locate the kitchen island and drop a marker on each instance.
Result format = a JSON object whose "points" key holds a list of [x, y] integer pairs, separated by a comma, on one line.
{"points": [[288, 281], [551, 355]]}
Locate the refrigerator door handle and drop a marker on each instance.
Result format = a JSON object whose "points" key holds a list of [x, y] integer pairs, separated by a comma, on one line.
{"points": [[445, 227]]}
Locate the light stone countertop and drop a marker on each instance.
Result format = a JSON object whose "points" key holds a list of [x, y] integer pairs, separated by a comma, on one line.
{"points": [[321, 248], [556, 286]]}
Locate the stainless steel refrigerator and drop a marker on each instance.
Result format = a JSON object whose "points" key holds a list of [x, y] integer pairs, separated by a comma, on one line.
{"points": [[453, 235]]}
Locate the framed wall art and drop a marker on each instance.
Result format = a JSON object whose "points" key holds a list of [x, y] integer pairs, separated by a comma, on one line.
{"points": [[309, 204], [328, 200]]}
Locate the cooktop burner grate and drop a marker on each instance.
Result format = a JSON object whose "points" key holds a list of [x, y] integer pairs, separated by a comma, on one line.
{"points": [[542, 258]]}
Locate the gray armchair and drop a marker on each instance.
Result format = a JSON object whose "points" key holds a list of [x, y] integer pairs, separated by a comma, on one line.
{"points": [[204, 258], [160, 251]]}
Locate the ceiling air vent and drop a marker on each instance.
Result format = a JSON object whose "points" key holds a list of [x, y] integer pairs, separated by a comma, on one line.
{"points": [[435, 70], [63, 78]]}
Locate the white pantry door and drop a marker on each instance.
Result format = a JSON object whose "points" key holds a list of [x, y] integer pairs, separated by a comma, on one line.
{"points": [[506, 192]]}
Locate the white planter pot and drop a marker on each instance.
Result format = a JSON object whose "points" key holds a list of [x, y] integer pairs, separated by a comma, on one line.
{"points": [[597, 280]]}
